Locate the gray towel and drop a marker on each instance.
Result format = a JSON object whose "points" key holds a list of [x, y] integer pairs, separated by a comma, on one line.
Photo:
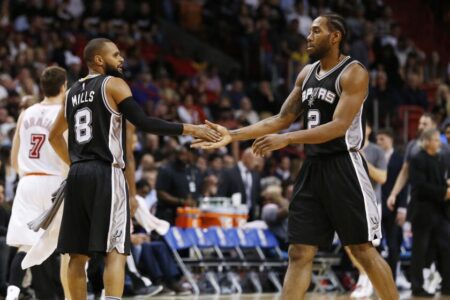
{"points": [[44, 220]]}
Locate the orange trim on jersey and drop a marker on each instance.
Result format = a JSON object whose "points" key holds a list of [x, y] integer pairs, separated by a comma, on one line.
{"points": [[37, 174]]}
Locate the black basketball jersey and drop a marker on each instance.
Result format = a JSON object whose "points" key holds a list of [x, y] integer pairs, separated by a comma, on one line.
{"points": [[320, 96], [96, 131]]}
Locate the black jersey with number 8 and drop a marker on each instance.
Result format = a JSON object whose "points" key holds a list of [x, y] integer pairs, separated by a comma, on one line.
{"points": [[96, 131]]}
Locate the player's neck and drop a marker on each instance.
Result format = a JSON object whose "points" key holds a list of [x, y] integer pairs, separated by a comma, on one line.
{"points": [[330, 61], [95, 71], [52, 100]]}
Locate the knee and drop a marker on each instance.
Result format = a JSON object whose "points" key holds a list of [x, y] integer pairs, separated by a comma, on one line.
{"points": [[78, 262], [363, 252], [301, 254]]}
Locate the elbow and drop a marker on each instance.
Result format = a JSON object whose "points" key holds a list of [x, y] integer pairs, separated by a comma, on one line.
{"points": [[382, 179], [52, 139]]}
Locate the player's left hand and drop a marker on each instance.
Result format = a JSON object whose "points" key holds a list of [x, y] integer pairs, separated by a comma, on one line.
{"points": [[269, 143], [207, 133]]}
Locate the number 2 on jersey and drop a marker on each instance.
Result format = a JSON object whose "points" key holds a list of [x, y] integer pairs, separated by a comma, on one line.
{"points": [[37, 140], [83, 128], [313, 118]]}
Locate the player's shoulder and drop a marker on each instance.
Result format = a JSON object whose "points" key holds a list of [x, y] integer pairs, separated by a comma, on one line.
{"points": [[305, 73], [32, 108], [355, 67], [354, 73]]}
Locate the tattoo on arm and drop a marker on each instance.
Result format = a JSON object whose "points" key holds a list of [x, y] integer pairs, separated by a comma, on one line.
{"points": [[292, 105]]}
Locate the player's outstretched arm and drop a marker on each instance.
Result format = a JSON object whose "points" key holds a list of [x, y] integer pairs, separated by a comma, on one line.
{"points": [[291, 109], [354, 83], [118, 90], [56, 137]]}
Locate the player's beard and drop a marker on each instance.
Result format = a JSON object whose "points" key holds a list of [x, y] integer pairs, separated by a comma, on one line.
{"points": [[112, 71], [319, 52]]}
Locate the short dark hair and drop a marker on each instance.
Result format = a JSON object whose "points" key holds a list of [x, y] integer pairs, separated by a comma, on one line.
{"points": [[386, 131], [142, 183], [336, 22], [52, 78], [431, 116], [93, 48]]}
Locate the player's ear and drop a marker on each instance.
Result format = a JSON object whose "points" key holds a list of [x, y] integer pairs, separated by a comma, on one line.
{"points": [[336, 36], [98, 60]]}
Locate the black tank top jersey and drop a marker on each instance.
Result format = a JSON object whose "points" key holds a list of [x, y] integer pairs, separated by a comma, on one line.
{"points": [[320, 96], [96, 131]]}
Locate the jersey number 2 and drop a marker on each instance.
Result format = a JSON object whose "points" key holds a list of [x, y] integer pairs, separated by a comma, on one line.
{"points": [[313, 118], [83, 128], [37, 140]]}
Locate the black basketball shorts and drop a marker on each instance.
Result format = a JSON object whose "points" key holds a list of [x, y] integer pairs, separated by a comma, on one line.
{"points": [[96, 216], [333, 194]]}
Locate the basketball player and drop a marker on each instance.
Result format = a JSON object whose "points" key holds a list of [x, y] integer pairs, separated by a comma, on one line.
{"points": [[96, 216], [41, 172], [333, 190]]}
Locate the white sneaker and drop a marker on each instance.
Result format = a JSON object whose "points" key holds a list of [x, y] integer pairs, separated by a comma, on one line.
{"points": [[12, 293], [363, 288], [401, 281], [432, 282]]}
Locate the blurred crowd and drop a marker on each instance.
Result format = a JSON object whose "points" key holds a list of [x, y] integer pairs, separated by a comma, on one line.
{"points": [[268, 40]]}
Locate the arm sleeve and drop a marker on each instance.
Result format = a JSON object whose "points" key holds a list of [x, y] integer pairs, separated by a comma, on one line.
{"points": [[134, 113]]}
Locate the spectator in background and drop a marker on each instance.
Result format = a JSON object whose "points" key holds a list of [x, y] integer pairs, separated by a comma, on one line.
{"points": [[210, 186], [5, 213], [412, 94], [264, 99], [362, 49], [244, 180], [434, 69], [215, 164], [178, 184], [388, 97], [145, 91], [146, 163], [246, 114], [275, 213], [235, 93], [283, 171], [392, 220], [430, 212], [304, 20], [447, 133]]}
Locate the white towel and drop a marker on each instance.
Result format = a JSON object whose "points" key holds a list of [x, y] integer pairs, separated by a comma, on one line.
{"points": [[46, 245], [149, 221]]}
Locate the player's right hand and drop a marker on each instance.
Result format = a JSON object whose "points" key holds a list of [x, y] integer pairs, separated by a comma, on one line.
{"points": [[224, 140], [391, 202]]}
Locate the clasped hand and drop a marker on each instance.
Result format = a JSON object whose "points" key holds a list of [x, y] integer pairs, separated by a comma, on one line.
{"points": [[260, 147]]}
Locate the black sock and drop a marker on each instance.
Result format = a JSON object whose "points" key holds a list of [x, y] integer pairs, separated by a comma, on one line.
{"points": [[16, 274]]}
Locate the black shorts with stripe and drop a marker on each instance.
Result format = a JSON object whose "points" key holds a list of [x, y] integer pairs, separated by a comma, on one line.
{"points": [[96, 217], [333, 194]]}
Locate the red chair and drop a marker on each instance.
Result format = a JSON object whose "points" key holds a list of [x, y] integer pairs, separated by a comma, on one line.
{"points": [[409, 115]]}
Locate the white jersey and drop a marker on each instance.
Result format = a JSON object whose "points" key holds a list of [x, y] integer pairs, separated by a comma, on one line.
{"points": [[36, 155]]}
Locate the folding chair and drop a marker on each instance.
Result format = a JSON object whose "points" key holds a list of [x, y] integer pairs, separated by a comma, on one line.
{"points": [[268, 248], [226, 244], [322, 266], [177, 241], [201, 242]]}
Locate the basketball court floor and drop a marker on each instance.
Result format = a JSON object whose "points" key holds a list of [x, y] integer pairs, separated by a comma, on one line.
{"points": [[329, 296]]}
